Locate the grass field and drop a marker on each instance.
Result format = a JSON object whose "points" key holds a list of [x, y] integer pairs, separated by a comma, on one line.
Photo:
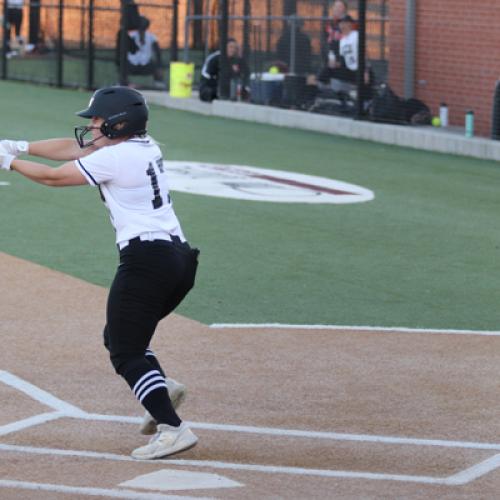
{"points": [[423, 253]]}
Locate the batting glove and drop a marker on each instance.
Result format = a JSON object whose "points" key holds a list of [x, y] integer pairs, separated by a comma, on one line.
{"points": [[5, 158], [15, 148]]}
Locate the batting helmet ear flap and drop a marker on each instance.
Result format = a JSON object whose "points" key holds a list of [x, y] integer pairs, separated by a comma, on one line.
{"points": [[114, 125]]}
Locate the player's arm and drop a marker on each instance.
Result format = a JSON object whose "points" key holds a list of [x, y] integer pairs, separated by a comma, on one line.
{"points": [[66, 175], [52, 149], [58, 149]]}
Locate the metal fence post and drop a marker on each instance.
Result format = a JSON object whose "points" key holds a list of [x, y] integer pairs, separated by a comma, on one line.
{"points": [[293, 43], [269, 12], [82, 24], [174, 47], [5, 41], [224, 83], [360, 77], [60, 45], [34, 22], [186, 32], [246, 29], [324, 36], [410, 48], [90, 48], [123, 44]]}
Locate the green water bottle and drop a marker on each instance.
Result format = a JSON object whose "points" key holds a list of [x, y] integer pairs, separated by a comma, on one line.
{"points": [[469, 124]]}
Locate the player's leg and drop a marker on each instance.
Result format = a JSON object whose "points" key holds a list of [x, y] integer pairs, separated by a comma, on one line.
{"points": [[133, 311], [176, 391], [146, 276]]}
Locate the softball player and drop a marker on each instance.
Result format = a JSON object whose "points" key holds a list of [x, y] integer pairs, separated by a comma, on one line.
{"points": [[157, 265]]}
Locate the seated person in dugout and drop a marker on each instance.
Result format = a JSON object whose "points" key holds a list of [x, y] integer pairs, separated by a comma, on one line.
{"points": [[239, 72], [333, 32], [344, 67], [303, 49], [143, 53]]}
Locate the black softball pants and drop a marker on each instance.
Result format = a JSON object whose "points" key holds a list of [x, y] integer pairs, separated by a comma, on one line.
{"points": [[152, 279]]}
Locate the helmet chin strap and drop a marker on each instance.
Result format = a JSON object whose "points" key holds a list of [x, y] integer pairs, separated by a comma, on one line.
{"points": [[81, 132]]}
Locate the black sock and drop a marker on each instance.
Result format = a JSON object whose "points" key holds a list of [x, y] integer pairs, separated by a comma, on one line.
{"points": [[150, 356], [148, 384]]}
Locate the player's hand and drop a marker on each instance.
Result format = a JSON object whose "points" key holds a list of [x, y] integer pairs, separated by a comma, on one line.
{"points": [[15, 148], [5, 158]]}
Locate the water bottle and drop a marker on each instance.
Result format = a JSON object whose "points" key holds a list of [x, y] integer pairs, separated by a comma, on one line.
{"points": [[443, 114], [469, 124], [331, 59]]}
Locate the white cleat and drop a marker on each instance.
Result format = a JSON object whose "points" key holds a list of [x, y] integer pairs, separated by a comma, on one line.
{"points": [[168, 440], [177, 393]]}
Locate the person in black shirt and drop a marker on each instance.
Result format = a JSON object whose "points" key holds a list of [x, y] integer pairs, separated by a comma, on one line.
{"points": [[303, 49], [239, 71]]}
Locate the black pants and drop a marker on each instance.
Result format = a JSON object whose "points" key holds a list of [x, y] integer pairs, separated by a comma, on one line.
{"points": [[15, 19], [341, 73], [207, 91], [152, 279]]}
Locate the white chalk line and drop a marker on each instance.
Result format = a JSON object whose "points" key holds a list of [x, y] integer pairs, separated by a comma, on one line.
{"points": [[39, 395], [29, 422], [335, 436], [476, 471], [269, 469], [360, 329], [92, 492], [68, 410]]}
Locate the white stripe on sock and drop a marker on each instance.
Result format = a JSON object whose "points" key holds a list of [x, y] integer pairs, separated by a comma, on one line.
{"points": [[153, 388], [148, 383], [144, 377]]}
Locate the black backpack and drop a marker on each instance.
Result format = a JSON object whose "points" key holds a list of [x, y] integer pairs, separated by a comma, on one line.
{"points": [[417, 112], [387, 107]]}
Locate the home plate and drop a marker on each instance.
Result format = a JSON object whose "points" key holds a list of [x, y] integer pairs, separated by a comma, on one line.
{"points": [[167, 480]]}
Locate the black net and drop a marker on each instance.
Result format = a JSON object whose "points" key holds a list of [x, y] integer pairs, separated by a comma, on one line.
{"points": [[295, 53], [289, 48], [74, 42]]}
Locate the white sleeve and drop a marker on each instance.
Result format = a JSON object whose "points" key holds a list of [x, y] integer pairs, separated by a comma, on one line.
{"points": [[98, 167]]}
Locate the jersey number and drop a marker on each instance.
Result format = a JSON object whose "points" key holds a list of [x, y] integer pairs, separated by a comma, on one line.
{"points": [[157, 201]]}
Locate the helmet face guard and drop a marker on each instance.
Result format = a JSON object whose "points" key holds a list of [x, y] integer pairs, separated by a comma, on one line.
{"points": [[124, 111], [81, 132]]}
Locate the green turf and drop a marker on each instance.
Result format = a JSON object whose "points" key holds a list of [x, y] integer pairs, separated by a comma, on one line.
{"points": [[422, 254]]}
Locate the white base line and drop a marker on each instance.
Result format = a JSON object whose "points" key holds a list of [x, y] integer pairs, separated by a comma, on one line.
{"points": [[39, 394], [270, 469], [29, 422], [476, 471], [336, 436], [70, 411], [360, 329], [92, 492]]}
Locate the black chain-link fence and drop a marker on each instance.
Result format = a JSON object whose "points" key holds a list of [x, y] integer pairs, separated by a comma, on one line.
{"points": [[293, 49], [76, 42], [301, 54]]}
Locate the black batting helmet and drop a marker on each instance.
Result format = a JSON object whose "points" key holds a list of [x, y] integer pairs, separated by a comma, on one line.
{"points": [[116, 105]]}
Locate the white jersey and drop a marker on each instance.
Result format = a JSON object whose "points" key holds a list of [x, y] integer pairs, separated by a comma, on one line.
{"points": [[349, 50], [133, 184], [15, 4], [144, 54]]}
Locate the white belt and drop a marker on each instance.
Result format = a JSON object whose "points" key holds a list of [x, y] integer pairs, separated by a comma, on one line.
{"points": [[150, 236]]}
